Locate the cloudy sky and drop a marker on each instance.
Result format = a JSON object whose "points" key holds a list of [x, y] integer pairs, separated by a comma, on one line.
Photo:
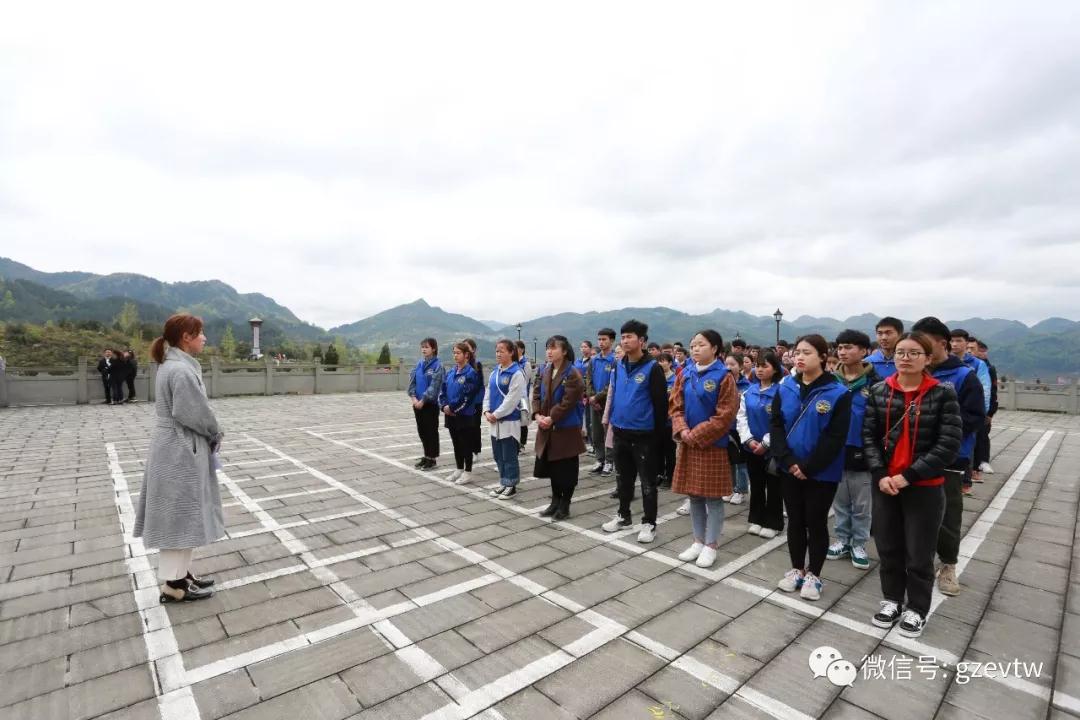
{"points": [[830, 159]]}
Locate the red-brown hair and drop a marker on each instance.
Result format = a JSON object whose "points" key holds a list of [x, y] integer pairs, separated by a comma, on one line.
{"points": [[175, 328]]}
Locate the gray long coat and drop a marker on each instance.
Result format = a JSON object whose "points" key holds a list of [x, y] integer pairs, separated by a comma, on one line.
{"points": [[180, 503]]}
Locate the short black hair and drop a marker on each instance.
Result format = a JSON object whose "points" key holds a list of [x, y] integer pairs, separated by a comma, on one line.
{"points": [[666, 357], [959, 332], [678, 344], [713, 338], [982, 345], [783, 343], [608, 332], [817, 342], [932, 326], [889, 321], [431, 343], [769, 357], [471, 343], [652, 345], [635, 327], [853, 337], [738, 342], [587, 342]]}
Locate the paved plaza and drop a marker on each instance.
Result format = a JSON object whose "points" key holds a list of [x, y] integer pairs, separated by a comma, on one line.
{"points": [[352, 585]]}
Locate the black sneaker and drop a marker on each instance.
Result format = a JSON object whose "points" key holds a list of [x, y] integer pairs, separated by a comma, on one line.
{"points": [[507, 492], [429, 464], [888, 615], [597, 470], [497, 492], [420, 463], [614, 494], [607, 470], [912, 624]]}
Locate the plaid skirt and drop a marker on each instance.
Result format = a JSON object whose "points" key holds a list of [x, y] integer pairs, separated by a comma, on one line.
{"points": [[704, 472]]}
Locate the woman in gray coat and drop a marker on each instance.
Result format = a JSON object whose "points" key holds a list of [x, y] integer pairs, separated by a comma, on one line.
{"points": [[180, 504]]}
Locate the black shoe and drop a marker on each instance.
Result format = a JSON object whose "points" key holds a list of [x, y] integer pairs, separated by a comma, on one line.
{"points": [[614, 494], [563, 511], [888, 615], [912, 625], [507, 492], [201, 583], [182, 591], [597, 470], [550, 509], [420, 463], [107, 402], [429, 464]]}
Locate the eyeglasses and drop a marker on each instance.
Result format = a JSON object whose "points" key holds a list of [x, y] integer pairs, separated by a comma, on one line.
{"points": [[909, 353]]}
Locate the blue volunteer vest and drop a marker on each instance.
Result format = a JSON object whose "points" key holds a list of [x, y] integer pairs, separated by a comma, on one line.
{"points": [[631, 407], [858, 411], [601, 371], [499, 388], [572, 419], [807, 419], [423, 373], [884, 367], [458, 383], [701, 389], [759, 409], [954, 377]]}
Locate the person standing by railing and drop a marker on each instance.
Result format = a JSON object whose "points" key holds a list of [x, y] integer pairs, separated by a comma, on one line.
{"points": [[180, 504], [424, 388]]}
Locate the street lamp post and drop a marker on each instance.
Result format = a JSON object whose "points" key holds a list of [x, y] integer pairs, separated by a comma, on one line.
{"points": [[519, 330], [534, 349], [778, 316]]}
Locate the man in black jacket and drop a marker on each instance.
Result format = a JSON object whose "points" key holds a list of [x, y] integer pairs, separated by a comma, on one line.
{"points": [[105, 367], [950, 369], [982, 442], [131, 364]]}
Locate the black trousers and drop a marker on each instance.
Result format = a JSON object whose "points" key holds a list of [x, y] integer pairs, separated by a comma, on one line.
{"points": [[668, 467], [766, 494], [982, 446], [477, 418], [948, 539], [117, 389], [461, 436], [131, 387], [427, 425], [564, 476], [904, 530], [107, 386], [636, 455], [808, 502]]}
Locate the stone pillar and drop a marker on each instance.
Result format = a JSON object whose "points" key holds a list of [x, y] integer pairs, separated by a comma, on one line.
{"points": [[269, 376], [1074, 398], [1010, 395], [402, 378], [363, 377], [151, 382], [3, 388], [83, 391], [318, 376], [214, 390]]}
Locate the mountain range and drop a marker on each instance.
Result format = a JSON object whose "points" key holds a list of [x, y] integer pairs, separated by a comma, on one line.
{"points": [[1049, 348]]}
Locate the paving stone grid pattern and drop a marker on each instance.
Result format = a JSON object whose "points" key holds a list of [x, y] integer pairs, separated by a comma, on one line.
{"points": [[352, 585]]}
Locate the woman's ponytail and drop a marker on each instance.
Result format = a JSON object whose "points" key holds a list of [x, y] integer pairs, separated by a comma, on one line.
{"points": [[157, 350]]}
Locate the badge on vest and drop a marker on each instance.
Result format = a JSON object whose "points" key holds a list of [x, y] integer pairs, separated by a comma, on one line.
{"points": [[823, 407], [948, 384], [639, 378], [709, 385], [865, 392], [461, 380], [768, 409], [505, 382]]}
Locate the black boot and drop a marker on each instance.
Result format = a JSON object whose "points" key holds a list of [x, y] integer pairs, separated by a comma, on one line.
{"points": [[563, 511], [182, 591], [550, 509], [201, 583]]}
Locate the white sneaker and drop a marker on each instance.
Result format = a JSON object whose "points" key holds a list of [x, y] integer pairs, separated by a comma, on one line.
{"points": [[736, 498], [707, 557], [452, 477], [811, 587], [792, 580], [985, 467], [726, 498], [615, 524], [754, 529], [464, 477], [684, 509], [768, 533], [647, 533], [691, 553]]}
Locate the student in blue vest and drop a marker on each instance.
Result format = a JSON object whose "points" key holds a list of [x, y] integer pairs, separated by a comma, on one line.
{"points": [[596, 386], [557, 409], [425, 384], [458, 402], [951, 371], [888, 331], [810, 421], [638, 414], [766, 515], [703, 409], [958, 346], [477, 416], [854, 499], [734, 364], [582, 365], [502, 409]]}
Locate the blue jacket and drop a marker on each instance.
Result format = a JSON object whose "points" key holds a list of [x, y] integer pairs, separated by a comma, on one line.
{"points": [[759, 410], [860, 391], [883, 366], [809, 426], [701, 390], [460, 389], [954, 373], [499, 386], [640, 401], [982, 371], [600, 373], [426, 380]]}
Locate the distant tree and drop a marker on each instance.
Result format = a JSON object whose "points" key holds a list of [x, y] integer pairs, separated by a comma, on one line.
{"points": [[243, 349], [384, 355], [331, 357], [228, 343], [8, 303], [316, 353], [341, 351], [127, 321]]}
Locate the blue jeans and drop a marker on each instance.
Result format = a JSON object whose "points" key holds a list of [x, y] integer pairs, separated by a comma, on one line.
{"points": [[506, 458], [853, 504], [707, 518], [742, 478]]}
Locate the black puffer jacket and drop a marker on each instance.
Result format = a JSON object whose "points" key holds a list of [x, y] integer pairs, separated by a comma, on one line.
{"points": [[934, 424]]}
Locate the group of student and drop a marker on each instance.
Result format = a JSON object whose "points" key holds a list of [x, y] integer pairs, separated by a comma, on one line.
{"points": [[117, 368], [889, 441]]}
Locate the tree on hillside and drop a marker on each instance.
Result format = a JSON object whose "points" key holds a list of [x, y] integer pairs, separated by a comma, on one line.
{"points": [[128, 319], [341, 350], [331, 357], [8, 303], [228, 344], [316, 353], [384, 355]]}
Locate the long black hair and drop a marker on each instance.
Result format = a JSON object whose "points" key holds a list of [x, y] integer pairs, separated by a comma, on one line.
{"points": [[562, 342]]}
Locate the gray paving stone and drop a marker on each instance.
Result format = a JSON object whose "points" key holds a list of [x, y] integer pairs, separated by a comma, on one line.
{"points": [[511, 624], [762, 631], [327, 699], [622, 665], [415, 703], [528, 704], [292, 670], [88, 699], [224, 694], [636, 704]]}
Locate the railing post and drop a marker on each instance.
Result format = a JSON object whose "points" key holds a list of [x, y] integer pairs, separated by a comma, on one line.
{"points": [[402, 382], [363, 378], [3, 388], [151, 382], [1010, 395], [269, 376], [82, 392], [1074, 397], [318, 376], [215, 376]]}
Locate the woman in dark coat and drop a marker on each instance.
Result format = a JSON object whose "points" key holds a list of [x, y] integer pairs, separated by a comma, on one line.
{"points": [[556, 403]]}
